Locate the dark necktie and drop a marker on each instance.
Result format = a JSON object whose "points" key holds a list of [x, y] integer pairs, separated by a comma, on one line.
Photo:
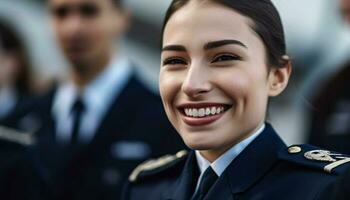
{"points": [[78, 109], [207, 181]]}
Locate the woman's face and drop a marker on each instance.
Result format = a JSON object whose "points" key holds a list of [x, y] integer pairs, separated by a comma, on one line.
{"points": [[9, 68], [214, 80], [345, 9]]}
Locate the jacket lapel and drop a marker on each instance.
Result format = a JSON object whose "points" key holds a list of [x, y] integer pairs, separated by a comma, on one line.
{"points": [[120, 113], [183, 187], [115, 119], [254, 162]]}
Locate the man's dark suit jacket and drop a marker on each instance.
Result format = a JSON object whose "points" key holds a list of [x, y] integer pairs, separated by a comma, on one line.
{"points": [[135, 128]]}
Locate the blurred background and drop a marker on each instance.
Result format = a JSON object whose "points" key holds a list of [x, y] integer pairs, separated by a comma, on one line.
{"points": [[318, 41]]}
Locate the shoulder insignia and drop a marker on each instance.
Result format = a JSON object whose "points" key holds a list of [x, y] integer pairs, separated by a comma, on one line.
{"points": [[333, 159], [330, 162], [12, 135], [155, 164]]}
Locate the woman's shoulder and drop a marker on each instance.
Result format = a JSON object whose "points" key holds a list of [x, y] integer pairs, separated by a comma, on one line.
{"points": [[296, 172], [310, 157], [308, 171], [150, 179], [164, 165]]}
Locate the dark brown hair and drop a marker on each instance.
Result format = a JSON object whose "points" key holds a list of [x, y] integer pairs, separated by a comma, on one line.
{"points": [[118, 3], [10, 42], [267, 24]]}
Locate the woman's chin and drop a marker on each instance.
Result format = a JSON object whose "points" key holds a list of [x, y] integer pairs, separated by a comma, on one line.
{"points": [[198, 145]]}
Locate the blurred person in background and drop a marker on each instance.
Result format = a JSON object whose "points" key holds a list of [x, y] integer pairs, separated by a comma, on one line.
{"points": [[330, 119], [345, 9], [21, 177], [101, 122], [15, 79]]}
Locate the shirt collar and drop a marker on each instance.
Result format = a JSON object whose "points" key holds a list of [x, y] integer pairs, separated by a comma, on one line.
{"points": [[107, 85], [221, 163], [99, 93]]}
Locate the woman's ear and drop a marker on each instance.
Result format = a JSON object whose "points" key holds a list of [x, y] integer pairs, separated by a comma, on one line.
{"points": [[278, 79]]}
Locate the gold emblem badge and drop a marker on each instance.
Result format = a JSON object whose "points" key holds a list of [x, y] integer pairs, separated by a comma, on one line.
{"points": [[326, 156], [294, 149]]}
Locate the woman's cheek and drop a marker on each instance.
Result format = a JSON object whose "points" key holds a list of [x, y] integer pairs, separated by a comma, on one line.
{"points": [[235, 86], [170, 84], [169, 89]]}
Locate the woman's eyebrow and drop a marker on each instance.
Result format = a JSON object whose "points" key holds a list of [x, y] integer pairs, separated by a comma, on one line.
{"points": [[173, 48], [219, 43], [209, 45]]}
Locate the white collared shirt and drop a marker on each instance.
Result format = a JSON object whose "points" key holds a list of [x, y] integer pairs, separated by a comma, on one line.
{"points": [[8, 100], [97, 96], [221, 163]]}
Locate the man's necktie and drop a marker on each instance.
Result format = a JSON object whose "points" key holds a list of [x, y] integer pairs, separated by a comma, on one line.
{"points": [[78, 109]]}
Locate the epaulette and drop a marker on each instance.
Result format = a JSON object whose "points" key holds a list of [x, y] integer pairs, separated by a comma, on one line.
{"points": [[157, 165], [15, 136], [316, 158]]}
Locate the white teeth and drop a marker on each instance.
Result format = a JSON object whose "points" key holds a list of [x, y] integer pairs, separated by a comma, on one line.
{"points": [[213, 110], [219, 110], [194, 112], [203, 112], [207, 111]]}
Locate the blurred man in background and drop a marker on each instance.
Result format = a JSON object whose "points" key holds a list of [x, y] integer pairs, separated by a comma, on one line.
{"points": [[330, 120], [101, 122]]}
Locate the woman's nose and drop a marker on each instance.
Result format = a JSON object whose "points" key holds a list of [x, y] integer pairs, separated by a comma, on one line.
{"points": [[196, 82]]}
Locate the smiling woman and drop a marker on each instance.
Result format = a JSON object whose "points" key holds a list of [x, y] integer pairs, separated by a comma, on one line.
{"points": [[224, 69], [221, 62]]}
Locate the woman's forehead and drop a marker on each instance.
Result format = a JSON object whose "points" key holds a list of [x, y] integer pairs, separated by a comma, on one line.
{"points": [[208, 22], [196, 10]]}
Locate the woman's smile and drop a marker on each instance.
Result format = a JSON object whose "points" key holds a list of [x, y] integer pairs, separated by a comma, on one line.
{"points": [[200, 114]]}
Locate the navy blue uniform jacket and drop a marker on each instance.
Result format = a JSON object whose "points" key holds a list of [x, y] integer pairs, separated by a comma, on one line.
{"points": [[98, 170], [20, 174], [264, 170]]}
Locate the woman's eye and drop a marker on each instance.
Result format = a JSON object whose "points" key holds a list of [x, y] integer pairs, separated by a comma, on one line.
{"points": [[225, 57], [174, 61]]}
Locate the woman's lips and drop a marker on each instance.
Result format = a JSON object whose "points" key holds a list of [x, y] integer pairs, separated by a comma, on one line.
{"points": [[201, 121], [203, 113]]}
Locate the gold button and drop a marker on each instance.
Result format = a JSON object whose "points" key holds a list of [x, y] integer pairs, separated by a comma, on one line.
{"points": [[294, 149]]}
